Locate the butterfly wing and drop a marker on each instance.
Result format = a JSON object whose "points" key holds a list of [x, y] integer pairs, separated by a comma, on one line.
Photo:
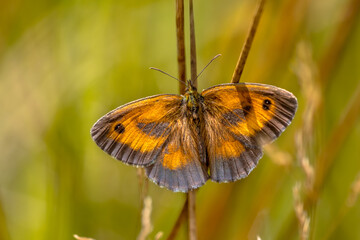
{"points": [[239, 119], [153, 132], [182, 164]]}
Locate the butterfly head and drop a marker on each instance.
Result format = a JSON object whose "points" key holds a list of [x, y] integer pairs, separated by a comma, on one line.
{"points": [[189, 86]]}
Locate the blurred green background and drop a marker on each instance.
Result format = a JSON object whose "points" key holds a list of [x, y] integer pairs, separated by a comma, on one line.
{"points": [[64, 64]]}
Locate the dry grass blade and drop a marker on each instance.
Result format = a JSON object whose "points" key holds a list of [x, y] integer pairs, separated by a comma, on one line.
{"points": [[247, 45]]}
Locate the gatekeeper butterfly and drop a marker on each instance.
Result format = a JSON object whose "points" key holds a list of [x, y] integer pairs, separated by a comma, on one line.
{"points": [[184, 140]]}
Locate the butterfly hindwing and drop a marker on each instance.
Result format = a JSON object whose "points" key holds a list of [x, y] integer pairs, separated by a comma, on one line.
{"points": [[181, 165], [229, 157], [239, 119]]}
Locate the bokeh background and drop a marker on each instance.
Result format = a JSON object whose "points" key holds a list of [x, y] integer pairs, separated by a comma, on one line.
{"points": [[64, 64]]}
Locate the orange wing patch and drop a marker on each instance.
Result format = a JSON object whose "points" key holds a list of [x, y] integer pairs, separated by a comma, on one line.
{"points": [[174, 157], [135, 138], [229, 149], [181, 165]]}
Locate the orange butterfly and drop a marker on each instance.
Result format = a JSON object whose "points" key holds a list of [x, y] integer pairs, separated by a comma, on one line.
{"points": [[183, 140]]}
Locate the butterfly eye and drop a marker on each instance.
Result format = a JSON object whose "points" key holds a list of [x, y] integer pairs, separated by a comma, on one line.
{"points": [[266, 104], [119, 128]]}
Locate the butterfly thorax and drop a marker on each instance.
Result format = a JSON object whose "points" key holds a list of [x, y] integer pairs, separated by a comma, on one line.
{"points": [[192, 99]]}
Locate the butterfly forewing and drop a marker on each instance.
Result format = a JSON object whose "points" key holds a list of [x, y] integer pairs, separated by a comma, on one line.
{"points": [[136, 132], [239, 119]]}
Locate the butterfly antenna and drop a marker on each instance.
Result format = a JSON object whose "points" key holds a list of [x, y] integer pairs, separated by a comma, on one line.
{"points": [[206, 66], [167, 74]]}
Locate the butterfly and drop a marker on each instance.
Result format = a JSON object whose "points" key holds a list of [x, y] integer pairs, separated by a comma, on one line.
{"points": [[184, 140]]}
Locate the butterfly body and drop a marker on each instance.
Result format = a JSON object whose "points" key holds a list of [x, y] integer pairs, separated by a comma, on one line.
{"points": [[184, 140]]}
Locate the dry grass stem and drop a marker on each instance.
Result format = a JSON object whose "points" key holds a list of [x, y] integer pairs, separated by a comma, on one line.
{"points": [[278, 156], [158, 236], [309, 172], [193, 64], [191, 195], [82, 238], [143, 185], [302, 216], [354, 193], [146, 226], [304, 68], [247, 45], [182, 76], [180, 36], [179, 221]]}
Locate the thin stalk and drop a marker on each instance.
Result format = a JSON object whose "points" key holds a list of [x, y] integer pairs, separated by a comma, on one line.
{"points": [[180, 36], [247, 45], [192, 230], [191, 195], [179, 221], [192, 45]]}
